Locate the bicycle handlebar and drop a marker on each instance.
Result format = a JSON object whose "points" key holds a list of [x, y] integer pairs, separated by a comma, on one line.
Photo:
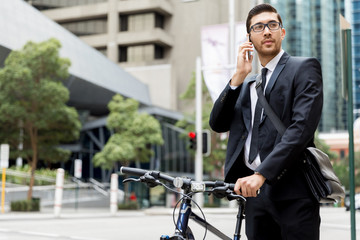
{"points": [[180, 182]]}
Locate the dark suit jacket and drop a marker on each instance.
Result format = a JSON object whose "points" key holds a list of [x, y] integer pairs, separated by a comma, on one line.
{"points": [[295, 93]]}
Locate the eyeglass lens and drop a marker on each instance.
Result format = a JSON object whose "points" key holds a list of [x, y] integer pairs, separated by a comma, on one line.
{"points": [[261, 26]]}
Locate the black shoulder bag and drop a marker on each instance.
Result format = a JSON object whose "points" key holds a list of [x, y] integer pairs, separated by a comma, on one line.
{"points": [[317, 168]]}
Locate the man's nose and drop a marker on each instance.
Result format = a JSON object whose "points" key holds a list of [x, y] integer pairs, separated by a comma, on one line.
{"points": [[266, 31]]}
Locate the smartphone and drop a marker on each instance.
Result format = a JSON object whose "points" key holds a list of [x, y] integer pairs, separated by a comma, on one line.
{"points": [[249, 53]]}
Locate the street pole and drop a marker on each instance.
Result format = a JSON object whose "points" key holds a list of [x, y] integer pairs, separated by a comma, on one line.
{"points": [[58, 191], [199, 198], [347, 49], [231, 31]]}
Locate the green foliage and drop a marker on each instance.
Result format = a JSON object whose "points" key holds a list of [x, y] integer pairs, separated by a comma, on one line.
{"points": [[134, 133], [26, 169], [341, 169], [319, 143], [132, 205], [32, 205], [33, 99]]}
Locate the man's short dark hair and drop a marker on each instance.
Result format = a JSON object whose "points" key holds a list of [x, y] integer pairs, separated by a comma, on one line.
{"points": [[265, 7]]}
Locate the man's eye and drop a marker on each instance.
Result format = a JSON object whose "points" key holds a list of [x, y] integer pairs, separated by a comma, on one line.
{"points": [[258, 27], [273, 25]]}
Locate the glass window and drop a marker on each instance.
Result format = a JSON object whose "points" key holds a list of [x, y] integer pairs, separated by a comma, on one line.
{"points": [[141, 22], [124, 23], [159, 52], [159, 20], [123, 54], [87, 27]]}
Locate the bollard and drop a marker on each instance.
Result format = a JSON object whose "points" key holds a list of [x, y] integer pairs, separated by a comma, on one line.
{"points": [[113, 194], [58, 191]]}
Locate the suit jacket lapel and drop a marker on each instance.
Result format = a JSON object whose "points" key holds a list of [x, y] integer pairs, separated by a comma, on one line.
{"points": [[279, 67]]}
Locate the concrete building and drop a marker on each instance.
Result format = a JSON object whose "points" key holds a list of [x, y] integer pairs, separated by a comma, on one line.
{"points": [[157, 41]]}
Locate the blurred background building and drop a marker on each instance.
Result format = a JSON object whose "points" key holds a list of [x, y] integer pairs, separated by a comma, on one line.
{"points": [[157, 41], [313, 30]]}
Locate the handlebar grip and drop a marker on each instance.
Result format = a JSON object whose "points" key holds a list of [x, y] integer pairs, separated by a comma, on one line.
{"points": [[133, 171]]}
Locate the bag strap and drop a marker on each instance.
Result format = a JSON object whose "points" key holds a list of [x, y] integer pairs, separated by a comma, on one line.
{"points": [[269, 111]]}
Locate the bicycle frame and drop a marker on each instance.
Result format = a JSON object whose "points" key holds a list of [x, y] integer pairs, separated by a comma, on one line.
{"points": [[182, 230]]}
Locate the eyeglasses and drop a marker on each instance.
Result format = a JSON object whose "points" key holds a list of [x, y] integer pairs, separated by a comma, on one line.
{"points": [[259, 27]]}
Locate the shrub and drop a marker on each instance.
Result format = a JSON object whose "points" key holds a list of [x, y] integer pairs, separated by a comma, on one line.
{"points": [[129, 206], [32, 205]]}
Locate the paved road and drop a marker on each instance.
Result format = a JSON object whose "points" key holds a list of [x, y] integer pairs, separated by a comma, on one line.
{"points": [[96, 223]]}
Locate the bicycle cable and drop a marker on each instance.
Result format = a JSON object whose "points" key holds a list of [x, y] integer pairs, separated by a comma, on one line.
{"points": [[177, 203]]}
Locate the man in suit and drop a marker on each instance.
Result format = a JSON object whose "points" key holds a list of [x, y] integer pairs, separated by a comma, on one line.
{"points": [[258, 157]]}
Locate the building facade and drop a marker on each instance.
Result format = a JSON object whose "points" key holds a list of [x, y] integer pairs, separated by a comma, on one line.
{"points": [[313, 30], [157, 41]]}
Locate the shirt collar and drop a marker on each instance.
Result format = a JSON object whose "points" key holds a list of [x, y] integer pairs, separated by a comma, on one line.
{"points": [[272, 64]]}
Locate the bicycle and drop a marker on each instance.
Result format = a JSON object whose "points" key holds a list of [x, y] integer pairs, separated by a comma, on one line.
{"points": [[182, 230]]}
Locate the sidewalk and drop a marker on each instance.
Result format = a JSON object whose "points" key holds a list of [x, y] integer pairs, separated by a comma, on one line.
{"points": [[99, 224]]}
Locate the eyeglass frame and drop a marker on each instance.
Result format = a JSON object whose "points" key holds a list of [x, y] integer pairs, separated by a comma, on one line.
{"points": [[266, 25]]}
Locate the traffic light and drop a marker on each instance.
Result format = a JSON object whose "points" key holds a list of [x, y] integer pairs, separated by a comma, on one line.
{"points": [[192, 140], [206, 142], [206, 139]]}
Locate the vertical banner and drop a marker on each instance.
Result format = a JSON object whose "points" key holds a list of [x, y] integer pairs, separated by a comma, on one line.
{"points": [[4, 155], [217, 70], [78, 168], [215, 55]]}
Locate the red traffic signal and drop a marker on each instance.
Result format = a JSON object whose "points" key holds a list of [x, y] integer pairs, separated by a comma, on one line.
{"points": [[192, 140], [192, 135]]}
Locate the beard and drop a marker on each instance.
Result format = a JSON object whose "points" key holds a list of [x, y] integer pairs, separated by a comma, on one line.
{"points": [[267, 52]]}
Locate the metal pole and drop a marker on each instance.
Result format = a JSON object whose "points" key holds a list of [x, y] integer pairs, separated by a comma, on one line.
{"points": [[348, 74], [3, 190], [231, 32], [113, 194], [58, 191], [198, 126]]}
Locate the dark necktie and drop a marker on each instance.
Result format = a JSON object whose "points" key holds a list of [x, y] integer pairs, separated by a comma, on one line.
{"points": [[254, 148]]}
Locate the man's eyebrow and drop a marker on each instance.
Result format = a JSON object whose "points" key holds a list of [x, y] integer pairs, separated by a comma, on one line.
{"points": [[266, 22]]}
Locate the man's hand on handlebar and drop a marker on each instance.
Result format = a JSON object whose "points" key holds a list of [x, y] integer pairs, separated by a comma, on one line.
{"points": [[249, 186]]}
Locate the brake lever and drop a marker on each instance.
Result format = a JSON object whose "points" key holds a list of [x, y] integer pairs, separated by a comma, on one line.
{"points": [[220, 192], [233, 196], [150, 180], [131, 180]]}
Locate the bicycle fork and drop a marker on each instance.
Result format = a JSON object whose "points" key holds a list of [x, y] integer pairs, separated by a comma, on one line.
{"points": [[182, 230]]}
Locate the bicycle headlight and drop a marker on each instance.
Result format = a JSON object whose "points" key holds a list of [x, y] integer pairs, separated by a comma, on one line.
{"points": [[197, 186]]}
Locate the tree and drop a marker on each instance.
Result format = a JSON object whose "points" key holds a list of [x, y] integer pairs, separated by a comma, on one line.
{"points": [[133, 134], [33, 101]]}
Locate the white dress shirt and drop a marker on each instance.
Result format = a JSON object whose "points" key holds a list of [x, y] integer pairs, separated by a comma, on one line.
{"points": [[253, 98]]}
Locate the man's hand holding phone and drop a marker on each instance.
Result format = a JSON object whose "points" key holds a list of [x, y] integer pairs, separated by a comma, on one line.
{"points": [[244, 63]]}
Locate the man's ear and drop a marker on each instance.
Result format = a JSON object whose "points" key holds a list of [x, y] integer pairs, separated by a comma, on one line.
{"points": [[283, 33]]}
